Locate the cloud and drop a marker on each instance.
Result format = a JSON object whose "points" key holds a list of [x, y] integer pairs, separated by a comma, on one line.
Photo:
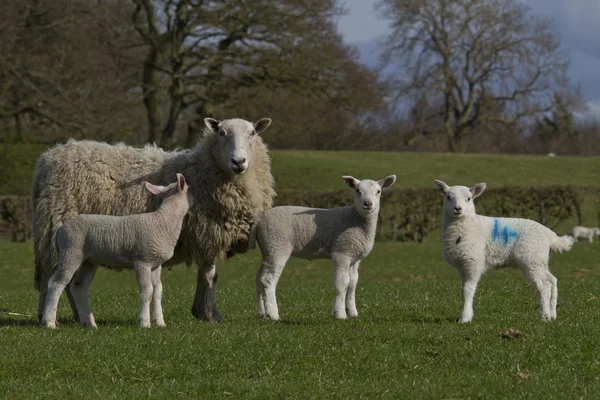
{"points": [[361, 24]]}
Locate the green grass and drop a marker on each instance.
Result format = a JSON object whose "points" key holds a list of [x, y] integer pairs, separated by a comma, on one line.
{"points": [[404, 344], [314, 170], [322, 170]]}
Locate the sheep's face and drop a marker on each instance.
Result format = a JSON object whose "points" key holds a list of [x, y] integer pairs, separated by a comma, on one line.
{"points": [[458, 200], [597, 230], [367, 193], [236, 140]]}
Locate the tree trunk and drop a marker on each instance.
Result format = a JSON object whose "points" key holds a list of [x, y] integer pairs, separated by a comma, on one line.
{"points": [[151, 102]]}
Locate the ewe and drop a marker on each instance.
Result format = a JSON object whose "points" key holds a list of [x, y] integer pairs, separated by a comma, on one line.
{"points": [[473, 244], [144, 241], [229, 173], [345, 235]]}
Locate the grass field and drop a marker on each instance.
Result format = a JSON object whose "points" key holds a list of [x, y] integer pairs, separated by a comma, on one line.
{"points": [[404, 344]]}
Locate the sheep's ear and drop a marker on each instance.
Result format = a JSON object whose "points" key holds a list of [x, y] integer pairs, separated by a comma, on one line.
{"points": [[350, 181], [154, 189], [181, 183], [262, 124], [212, 124], [387, 182], [441, 186], [477, 189]]}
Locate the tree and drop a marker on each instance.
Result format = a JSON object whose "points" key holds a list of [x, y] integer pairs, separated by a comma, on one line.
{"points": [[58, 76], [488, 61], [202, 53]]}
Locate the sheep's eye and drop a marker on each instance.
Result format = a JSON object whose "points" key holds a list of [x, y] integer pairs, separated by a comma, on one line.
{"points": [[222, 132], [253, 133], [448, 197], [358, 191], [379, 192], [469, 199]]}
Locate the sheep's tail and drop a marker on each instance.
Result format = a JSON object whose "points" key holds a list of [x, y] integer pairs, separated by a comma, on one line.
{"points": [[562, 243], [252, 237]]}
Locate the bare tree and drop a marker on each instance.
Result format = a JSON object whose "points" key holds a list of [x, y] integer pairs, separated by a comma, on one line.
{"points": [[200, 53], [490, 61]]}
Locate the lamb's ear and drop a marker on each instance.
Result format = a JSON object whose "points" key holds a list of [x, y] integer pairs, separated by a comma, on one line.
{"points": [[350, 181], [262, 124], [181, 183], [441, 186], [212, 124], [387, 182], [154, 189], [477, 189]]}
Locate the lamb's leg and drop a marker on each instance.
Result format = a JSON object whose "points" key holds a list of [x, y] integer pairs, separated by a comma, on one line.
{"points": [[157, 313], [80, 287], [205, 300], [351, 295], [341, 273], [67, 266], [537, 276], [591, 238], [143, 273], [470, 279], [271, 269], [552, 283], [260, 300], [43, 293]]}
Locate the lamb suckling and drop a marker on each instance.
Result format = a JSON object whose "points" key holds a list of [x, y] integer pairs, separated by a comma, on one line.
{"points": [[345, 235], [474, 243], [587, 233], [142, 241]]}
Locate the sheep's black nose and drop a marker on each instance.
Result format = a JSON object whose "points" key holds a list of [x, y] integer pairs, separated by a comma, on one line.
{"points": [[238, 161], [368, 203], [457, 208]]}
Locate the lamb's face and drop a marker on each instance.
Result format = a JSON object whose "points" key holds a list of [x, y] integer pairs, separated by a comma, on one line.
{"points": [[367, 193], [236, 138], [458, 200]]}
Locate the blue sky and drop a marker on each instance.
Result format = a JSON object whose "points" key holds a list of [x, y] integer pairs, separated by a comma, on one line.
{"points": [[577, 23]]}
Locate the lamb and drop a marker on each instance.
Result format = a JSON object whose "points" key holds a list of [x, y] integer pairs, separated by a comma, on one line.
{"points": [[474, 243], [583, 232], [144, 241], [345, 235], [229, 173]]}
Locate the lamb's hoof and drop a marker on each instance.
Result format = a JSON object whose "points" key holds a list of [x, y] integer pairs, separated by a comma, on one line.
{"points": [[49, 325], [352, 313], [462, 320], [90, 325], [340, 315], [160, 324], [272, 317]]}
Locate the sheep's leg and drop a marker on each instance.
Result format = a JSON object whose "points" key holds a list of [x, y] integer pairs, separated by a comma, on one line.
{"points": [[351, 294], [470, 279], [72, 303], [43, 294], [143, 274], [68, 264], [260, 300], [552, 283], [205, 300], [590, 238], [341, 273], [157, 313], [271, 269], [80, 287], [538, 277]]}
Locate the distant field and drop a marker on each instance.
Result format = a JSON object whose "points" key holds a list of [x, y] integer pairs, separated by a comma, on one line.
{"points": [[318, 171], [313, 170]]}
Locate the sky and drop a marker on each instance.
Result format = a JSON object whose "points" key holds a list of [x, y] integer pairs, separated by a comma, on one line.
{"points": [[577, 23]]}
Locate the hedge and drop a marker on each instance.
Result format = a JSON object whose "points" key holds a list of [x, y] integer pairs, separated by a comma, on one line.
{"points": [[406, 214]]}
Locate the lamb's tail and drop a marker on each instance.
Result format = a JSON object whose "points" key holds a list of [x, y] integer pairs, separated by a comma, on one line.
{"points": [[562, 243], [252, 237]]}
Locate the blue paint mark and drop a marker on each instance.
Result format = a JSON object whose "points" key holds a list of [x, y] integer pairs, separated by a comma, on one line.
{"points": [[503, 235]]}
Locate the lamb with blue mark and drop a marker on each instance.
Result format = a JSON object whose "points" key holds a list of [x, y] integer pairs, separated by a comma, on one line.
{"points": [[473, 243]]}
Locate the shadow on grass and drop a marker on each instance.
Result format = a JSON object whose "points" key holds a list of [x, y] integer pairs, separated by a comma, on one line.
{"points": [[18, 322]]}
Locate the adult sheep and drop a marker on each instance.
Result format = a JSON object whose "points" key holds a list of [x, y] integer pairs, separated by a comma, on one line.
{"points": [[229, 173]]}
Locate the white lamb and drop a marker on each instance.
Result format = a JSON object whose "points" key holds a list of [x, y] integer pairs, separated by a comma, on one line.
{"points": [[345, 235], [473, 244], [144, 241], [583, 232]]}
